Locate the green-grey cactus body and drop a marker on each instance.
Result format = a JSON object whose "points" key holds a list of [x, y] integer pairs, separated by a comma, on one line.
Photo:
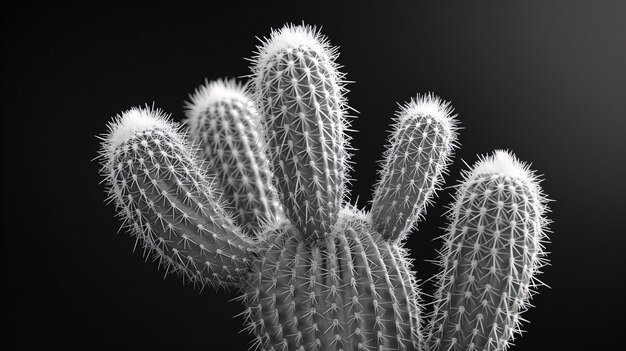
{"points": [[168, 201], [299, 93], [346, 292], [223, 122], [491, 256], [420, 148]]}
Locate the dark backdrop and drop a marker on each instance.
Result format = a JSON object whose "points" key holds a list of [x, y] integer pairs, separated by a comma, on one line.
{"points": [[545, 80]]}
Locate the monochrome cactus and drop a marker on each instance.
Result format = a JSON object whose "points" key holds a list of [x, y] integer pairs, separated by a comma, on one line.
{"points": [[419, 151], [253, 198], [223, 122], [346, 292], [493, 250], [299, 92], [168, 201]]}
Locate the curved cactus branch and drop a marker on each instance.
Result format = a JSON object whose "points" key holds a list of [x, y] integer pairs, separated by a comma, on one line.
{"points": [[168, 202], [420, 146]]}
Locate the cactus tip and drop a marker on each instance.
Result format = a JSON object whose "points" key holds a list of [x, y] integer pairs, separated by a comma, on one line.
{"points": [[290, 36], [505, 163], [432, 106], [210, 93], [132, 121]]}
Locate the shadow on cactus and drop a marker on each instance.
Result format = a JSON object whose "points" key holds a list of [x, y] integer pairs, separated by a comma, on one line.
{"points": [[251, 195]]}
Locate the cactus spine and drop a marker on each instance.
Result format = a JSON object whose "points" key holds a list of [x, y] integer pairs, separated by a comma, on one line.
{"points": [[491, 256], [314, 272], [168, 202], [300, 94], [418, 153], [223, 122]]}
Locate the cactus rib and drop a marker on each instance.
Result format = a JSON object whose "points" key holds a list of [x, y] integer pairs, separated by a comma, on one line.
{"points": [[420, 148]]}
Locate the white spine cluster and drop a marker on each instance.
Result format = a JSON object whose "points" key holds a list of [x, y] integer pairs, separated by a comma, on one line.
{"points": [[212, 94]]}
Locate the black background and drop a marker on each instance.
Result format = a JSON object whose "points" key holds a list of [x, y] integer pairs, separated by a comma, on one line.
{"points": [[545, 80]]}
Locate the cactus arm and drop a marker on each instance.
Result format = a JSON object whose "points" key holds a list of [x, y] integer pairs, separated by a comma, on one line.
{"points": [[223, 122], [492, 253], [167, 202], [420, 146], [299, 93]]}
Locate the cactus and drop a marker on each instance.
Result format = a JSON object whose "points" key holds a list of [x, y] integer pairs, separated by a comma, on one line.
{"points": [[168, 202], [419, 151], [221, 118], [493, 250], [314, 272], [299, 92]]}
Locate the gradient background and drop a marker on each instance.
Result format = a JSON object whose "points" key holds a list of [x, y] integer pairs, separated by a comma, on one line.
{"points": [[545, 80]]}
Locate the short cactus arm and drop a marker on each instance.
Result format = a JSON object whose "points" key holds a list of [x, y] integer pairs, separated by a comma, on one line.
{"points": [[223, 122], [492, 252], [299, 93], [165, 200], [420, 146]]}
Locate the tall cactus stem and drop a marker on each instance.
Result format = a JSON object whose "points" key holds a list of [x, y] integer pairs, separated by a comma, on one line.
{"points": [[299, 92]]}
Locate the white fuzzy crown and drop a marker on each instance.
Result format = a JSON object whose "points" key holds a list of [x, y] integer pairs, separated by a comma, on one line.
{"points": [[432, 106], [292, 36], [135, 120], [503, 163], [211, 93]]}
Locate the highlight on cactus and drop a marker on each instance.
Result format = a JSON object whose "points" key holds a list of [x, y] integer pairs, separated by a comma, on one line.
{"points": [[251, 194]]}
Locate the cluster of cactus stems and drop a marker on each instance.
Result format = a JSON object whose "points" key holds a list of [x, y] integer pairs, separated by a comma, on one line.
{"points": [[251, 194]]}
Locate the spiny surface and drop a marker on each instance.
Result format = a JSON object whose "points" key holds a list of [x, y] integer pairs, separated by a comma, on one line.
{"points": [[225, 125], [167, 202], [351, 288], [299, 92], [419, 150], [492, 254], [351, 291]]}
